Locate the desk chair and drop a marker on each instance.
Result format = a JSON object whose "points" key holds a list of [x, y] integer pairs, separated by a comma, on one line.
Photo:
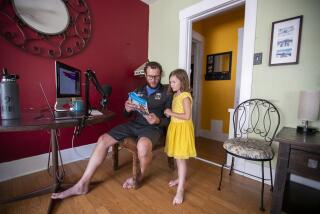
{"points": [[255, 123], [130, 144]]}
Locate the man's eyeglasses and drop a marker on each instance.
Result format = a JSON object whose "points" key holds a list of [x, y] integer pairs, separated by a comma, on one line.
{"points": [[150, 77]]}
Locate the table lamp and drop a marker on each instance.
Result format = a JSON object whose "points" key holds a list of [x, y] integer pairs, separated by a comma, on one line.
{"points": [[309, 104]]}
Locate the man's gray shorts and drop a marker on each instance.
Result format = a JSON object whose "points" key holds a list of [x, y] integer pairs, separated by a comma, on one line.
{"points": [[133, 129]]}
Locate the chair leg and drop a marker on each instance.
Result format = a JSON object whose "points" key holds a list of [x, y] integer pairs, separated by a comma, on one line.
{"points": [[221, 175], [171, 163], [221, 171], [115, 157], [271, 189], [262, 186], [135, 169], [232, 163]]}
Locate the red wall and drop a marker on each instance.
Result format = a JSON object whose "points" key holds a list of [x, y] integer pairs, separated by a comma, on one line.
{"points": [[118, 45]]}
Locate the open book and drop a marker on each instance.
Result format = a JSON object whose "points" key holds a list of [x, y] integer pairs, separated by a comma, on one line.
{"points": [[142, 104]]}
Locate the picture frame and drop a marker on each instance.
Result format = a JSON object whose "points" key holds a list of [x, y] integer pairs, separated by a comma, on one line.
{"points": [[285, 41], [219, 66]]}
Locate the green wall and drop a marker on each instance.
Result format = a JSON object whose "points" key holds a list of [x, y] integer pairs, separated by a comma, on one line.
{"points": [[164, 27], [280, 84]]}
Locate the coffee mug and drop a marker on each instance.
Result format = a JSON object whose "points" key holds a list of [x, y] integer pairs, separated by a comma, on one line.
{"points": [[77, 105]]}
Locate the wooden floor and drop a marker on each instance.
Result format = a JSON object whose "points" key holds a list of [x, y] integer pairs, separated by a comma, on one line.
{"points": [[238, 195], [210, 150]]}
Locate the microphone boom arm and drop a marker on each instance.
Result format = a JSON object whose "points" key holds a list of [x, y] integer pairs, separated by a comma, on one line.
{"points": [[91, 76]]}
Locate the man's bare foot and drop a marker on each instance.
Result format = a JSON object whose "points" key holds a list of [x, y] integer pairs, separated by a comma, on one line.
{"points": [[173, 183], [77, 189], [130, 184], [178, 199]]}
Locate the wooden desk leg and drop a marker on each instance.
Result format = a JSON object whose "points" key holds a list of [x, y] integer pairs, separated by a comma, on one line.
{"points": [[54, 187], [55, 168], [55, 163], [280, 178]]}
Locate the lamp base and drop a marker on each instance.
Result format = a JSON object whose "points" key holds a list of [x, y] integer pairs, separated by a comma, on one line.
{"points": [[308, 131]]}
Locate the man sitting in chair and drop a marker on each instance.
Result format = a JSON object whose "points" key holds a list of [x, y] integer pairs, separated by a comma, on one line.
{"points": [[148, 129]]}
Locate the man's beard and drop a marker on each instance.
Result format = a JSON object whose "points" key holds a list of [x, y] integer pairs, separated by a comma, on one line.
{"points": [[153, 87]]}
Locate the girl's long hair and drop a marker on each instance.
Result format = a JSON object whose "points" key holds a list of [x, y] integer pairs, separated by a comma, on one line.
{"points": [[182, 75]]}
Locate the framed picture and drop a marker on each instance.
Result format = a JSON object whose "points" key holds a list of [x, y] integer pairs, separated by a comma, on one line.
{"points": [[285, 41], [219, 66]]}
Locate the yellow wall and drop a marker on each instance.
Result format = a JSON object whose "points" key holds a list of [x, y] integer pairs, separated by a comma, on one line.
{"points": [[221, 35]]}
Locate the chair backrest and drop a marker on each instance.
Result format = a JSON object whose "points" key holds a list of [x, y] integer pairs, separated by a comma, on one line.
{"points": [[256, 117]]}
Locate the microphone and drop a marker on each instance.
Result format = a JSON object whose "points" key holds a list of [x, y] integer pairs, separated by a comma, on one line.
{"points": [[107, 89]]}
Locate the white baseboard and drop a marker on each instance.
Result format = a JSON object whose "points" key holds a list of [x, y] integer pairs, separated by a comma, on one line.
{"points": [[24, 166], [255, 169], [12, 169], [218, 136], [215, 132]]}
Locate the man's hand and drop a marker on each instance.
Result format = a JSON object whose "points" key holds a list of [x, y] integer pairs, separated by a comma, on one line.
{"points": [[129, 106], [152, 118]]}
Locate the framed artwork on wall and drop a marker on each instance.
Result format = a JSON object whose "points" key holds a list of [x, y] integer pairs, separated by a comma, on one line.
{"points": [[219, 66], [285, 41]]}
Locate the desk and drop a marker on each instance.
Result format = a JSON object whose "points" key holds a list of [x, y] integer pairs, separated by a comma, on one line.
{"points": [[33, 122], [298, 154]]}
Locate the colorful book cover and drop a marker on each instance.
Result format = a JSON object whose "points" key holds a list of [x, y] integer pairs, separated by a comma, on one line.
{"points": [[142, 104]]}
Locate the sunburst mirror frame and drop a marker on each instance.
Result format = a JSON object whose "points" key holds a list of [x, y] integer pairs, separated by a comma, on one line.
{"points": [[64, 44]]}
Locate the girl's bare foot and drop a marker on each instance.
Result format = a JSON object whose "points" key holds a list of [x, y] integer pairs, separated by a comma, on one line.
{"points": [[173, 183], [77, 189], [178, 199]]}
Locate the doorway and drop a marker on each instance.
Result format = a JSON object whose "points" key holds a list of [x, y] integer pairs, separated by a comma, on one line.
{"points": [[195, 77], [189, 45]]}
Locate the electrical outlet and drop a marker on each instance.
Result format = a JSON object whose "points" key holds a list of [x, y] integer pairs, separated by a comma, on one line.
{"points": [[312, 163], [257, 59]]}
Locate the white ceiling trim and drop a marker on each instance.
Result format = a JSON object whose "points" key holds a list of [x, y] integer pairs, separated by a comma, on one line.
{"points": [[148, 2]]}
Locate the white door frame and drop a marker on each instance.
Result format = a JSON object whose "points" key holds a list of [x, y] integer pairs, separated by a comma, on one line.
{"points": [[198, 39], [239, 67], [208, 8]]}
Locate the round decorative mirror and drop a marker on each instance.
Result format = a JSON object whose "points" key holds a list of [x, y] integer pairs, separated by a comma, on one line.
{"points": [[45, 16], [48, 28]]}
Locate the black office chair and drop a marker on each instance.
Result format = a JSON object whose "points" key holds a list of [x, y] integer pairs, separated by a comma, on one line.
{"points": [[255, 123]]}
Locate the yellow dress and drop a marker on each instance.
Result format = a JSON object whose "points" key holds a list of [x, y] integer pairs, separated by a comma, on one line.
{"points": [[180, 142]]}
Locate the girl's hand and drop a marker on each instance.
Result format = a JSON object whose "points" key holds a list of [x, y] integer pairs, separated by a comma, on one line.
{"points": [[168, 112]]}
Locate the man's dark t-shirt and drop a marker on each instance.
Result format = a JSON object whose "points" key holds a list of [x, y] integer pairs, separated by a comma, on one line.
{"points": [[157, 103], [139, 127]]}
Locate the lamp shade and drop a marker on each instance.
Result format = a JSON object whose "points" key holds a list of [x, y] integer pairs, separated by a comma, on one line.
{"points": [[309, 104]]}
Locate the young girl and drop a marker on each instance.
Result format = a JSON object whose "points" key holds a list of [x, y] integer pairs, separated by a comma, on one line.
{"points": [[180, 136]]}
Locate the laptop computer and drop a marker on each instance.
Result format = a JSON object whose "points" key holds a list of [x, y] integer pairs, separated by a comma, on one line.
{"points": [[62, 115]]}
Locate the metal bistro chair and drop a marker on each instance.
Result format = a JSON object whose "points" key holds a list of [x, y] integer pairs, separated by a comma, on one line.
{"points": [[255, 123]]}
